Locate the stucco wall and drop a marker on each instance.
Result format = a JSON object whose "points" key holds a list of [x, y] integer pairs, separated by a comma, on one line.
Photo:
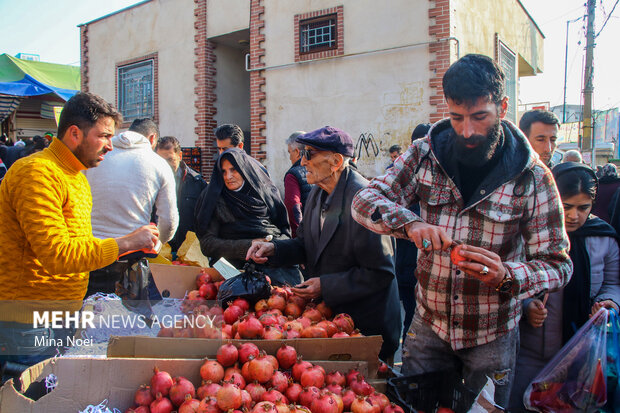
{"points": [[162, 26], [378, 97], [232, 87], [227, 16]]}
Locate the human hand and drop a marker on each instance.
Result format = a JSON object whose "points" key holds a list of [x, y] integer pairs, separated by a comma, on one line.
{"points": [[259, 251], [609, 304], [418, 232], [536, 313], [309, 289], [476, 259], [144, 237]]}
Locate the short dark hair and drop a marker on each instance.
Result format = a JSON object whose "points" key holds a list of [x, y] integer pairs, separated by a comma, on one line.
{"points": [[537, 115], [165, 142], [145, 127], [395, 148], [420, 131], [229, 131], [574, 178], [84, 109], [471, 77]]}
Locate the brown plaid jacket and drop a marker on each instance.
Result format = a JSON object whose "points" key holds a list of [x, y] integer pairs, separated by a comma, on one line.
{"points": [[521, 219]]}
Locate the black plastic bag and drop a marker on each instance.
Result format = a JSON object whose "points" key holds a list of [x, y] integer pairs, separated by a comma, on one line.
{"points": [[251, 285], [133, 287]]}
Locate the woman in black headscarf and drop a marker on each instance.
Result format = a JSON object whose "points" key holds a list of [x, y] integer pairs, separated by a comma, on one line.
{"points": [[241, 204]]}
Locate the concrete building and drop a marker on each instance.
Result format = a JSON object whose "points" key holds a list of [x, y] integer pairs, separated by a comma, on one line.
{"points": [[371, 68]]}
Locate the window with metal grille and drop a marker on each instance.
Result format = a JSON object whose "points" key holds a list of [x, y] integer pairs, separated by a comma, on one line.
{"points": [[318, 34], [508, 63], [136, 90]]}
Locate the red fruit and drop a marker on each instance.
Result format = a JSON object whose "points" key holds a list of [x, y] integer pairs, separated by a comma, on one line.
{"points": [[445, 409], [250, 328], [273, 361], [190, 405], [211, 370], [273, 333], [312, 314], [246, 400], [293, 391], [352, 375], [455, 254], [363, 405], [264, 407], [383, 368], [261, 369], [236, 379], [304, 321], [293, 325], [287, 356], [143, 396], [298, 409], [394, 408], [139, 409], [328, 326], [344, 322], [325, 310], [208, 405], [227, 355], [180, 388], [307, 395], [268, 319], [379, 399], [299, 368], [281, 407], [160, 382], [256, 391], [314, 332], [261, 305], [202, 279], [161, 404], [279, 381], [208, 291], [277, 302], [324, 404], [356, 333], [292, 309], [245, 370], [229, 397], [313, 376], [336, 377], [334, 388], [348, 396], [232, 314], [242, 303], [290, 333], [340, 334], [361, 386], [272, 395], [208, 389], [246, 350]]}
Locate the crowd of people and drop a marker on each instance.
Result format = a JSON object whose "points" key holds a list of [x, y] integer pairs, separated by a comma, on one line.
{"points": [[537, 242]]}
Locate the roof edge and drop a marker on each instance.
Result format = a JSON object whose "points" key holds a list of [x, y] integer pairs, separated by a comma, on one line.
{"points": [[531, 19], [115, 12]]}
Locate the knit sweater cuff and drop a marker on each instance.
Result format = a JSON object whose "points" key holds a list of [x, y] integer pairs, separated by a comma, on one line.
{"points": [[109, 252]]}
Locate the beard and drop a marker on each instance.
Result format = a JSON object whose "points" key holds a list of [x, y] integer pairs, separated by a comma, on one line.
{"points": [[87, 159], [484, 150]]}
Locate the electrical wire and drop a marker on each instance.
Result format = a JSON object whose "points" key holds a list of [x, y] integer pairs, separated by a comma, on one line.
{"points": [[607, 19]]}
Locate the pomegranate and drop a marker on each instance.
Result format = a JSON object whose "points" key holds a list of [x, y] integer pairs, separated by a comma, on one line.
{"points": [[379, 399], [324, 404], [301, 302], [161, 404], [304, 321], [208, 389], [227, 332], [334, 388], [307, 395], [297, 408], [314, 331], [264, 407], [290, 333], [361, 386], [282, 407], [250, 328], [294, 325], [246, 400], [143, 396], [268, 319], [293, 391], [246, 350], [352, 375], [393, 408], [208, 405], [273, 333], [272, 395], [362, 405], [348, 396], [273, 361], [236, 379], [160, 382], [261, 305], [242, 303], [190, 405], [208, 291], [202, 278], [312, 314], [232, 314], [356, 333], [455, 255], [211, 370], [180, 388], [324, 309], [299, 368], [277, 302], [279, 381], [344, 322], [256, 391], [229, 397], [313, 376], [292, 309], [328, 326], [227, 354], [336, 377], [287, 356], [245, 370], [261, 369]]}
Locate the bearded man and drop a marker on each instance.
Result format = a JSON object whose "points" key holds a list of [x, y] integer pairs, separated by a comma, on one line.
{"points": [[482, 189]]}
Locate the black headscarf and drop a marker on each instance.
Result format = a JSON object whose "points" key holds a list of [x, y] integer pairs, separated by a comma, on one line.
{"points": [[258, 200], [576, 300]]}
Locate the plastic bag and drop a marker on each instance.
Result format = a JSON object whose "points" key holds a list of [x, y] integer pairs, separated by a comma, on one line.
{"points": [[133, 288], [613, 363], [574, 380], [251, 285]]}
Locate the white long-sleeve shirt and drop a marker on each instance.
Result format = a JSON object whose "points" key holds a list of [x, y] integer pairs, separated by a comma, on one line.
{"points": [[127, 184]]}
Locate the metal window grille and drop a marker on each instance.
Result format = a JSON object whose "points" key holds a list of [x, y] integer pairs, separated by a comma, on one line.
{"points": [[136, 90], [508, 63], [318, 34]]}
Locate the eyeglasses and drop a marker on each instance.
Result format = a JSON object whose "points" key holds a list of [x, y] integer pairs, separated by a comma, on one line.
{"points": [[307, 153]]}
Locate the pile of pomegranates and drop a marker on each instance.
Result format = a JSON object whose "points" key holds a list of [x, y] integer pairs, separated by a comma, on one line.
{"points": [[283, 315], [246, 380]]}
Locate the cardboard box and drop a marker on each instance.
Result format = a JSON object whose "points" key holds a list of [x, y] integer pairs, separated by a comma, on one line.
{"points": [[174, 281], [332, 349], [88, 381]]}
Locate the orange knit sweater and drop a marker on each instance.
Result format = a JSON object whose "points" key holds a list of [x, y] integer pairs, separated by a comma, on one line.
{"points": [[46, 241]]}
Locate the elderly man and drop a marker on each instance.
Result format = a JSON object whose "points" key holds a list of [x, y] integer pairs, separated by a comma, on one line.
{"points": [[296, 187], [487, 197], [349, 267], [572, 156]]}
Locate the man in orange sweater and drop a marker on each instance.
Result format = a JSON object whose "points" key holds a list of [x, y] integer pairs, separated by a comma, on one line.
{"points": [[47, 244]]}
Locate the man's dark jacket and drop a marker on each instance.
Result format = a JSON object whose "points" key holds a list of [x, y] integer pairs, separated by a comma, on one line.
{"points": [[188, 191], [356, 265]]}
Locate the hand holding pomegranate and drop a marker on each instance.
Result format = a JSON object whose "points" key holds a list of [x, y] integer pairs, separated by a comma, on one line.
{"points": [[309, 289], [478, 259]]}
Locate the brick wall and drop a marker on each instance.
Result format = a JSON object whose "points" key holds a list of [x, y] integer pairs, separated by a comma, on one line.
{"points": [[204, 90], [338, 51], [84, 58], [257, 80], [439, 29]]}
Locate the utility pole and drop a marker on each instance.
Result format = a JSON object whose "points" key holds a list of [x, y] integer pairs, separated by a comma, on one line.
{"points": [[588, 87]]}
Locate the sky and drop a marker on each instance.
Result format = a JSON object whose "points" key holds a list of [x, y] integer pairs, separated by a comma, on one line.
{"points": [[49, 29]]}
